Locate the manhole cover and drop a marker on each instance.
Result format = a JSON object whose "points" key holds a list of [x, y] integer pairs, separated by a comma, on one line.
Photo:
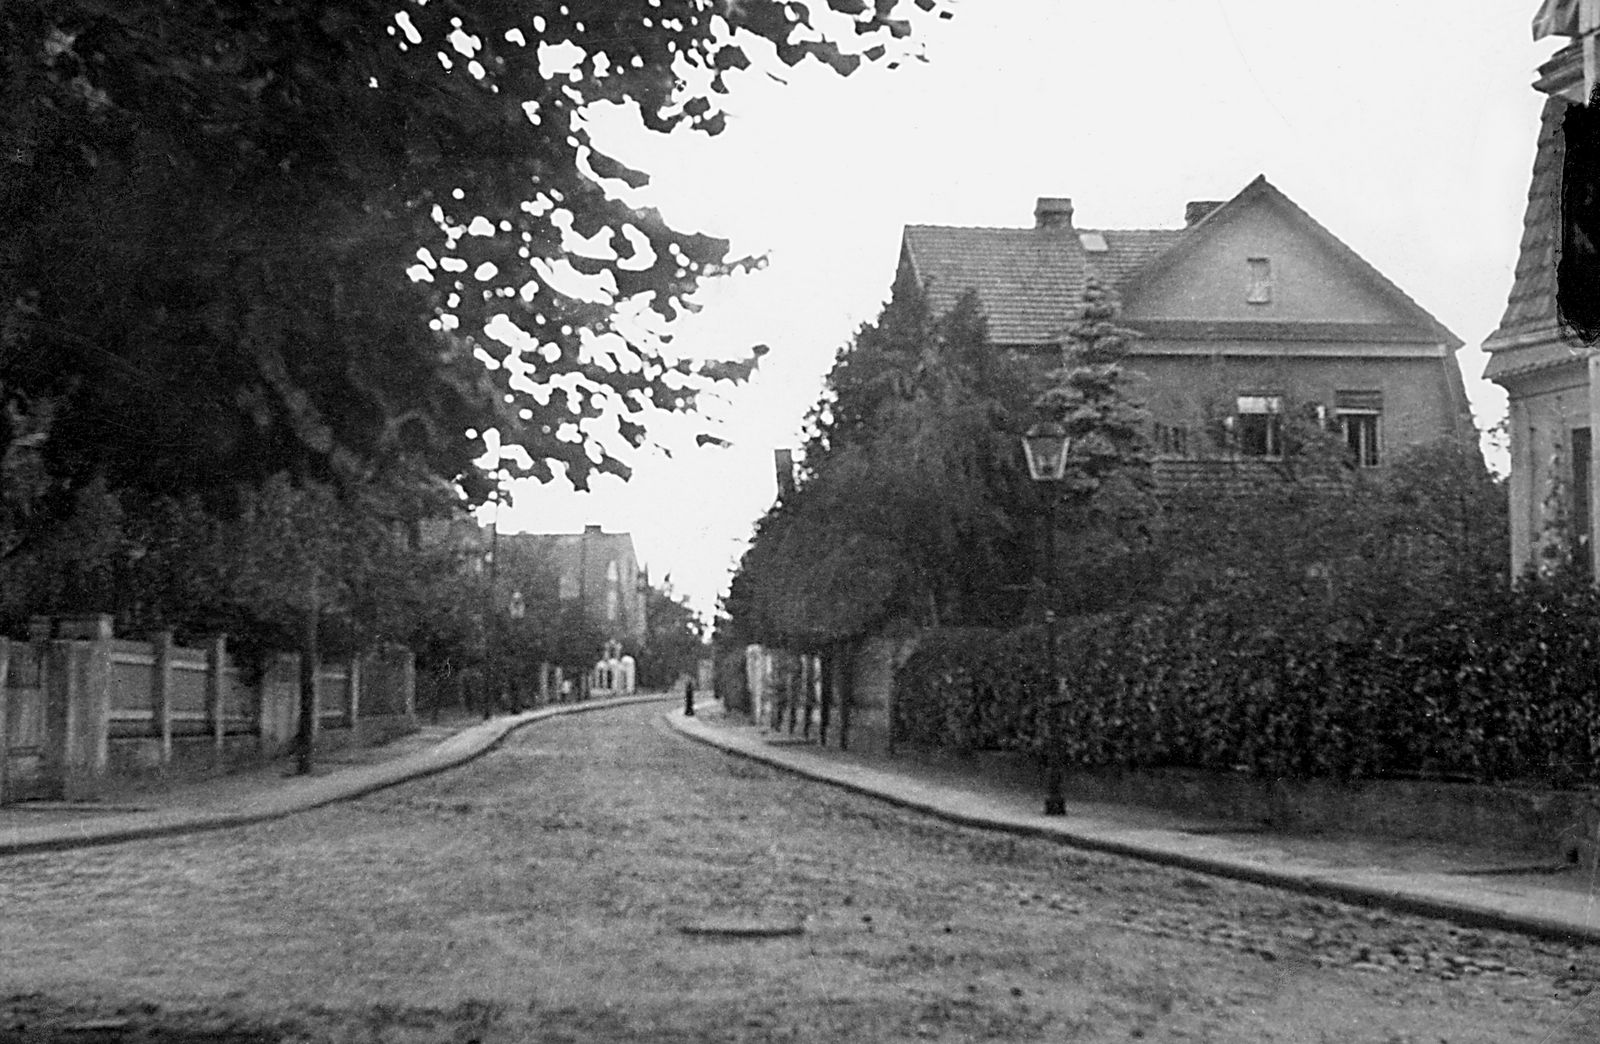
{"points": [[735, 927]]}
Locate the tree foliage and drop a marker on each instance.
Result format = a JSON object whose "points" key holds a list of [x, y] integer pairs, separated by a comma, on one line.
{"points": [[1106, 506], [1304, 627], [168, 563], [907, 504], [675, 639], [208, 213]]}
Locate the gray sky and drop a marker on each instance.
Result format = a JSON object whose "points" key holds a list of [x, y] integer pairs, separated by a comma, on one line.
{"points": [[1405, 127]]}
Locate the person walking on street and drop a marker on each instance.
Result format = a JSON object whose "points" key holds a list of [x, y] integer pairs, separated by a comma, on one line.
{"points": [[688, 697]]}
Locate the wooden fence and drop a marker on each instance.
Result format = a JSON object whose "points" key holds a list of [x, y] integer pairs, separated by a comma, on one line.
{"points": [[79, 706]]}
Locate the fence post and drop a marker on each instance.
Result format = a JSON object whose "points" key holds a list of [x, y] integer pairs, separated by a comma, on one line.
{"points": [[408, 684], [847, 691], [825, 667], [216, 682], [161, 692], [78, 710], [793, 679], [354, 685], [278, 721], [5, 711]]}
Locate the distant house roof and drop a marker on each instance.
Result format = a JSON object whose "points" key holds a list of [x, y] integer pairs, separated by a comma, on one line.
{"points": [[568, 554], [1030, 280]]}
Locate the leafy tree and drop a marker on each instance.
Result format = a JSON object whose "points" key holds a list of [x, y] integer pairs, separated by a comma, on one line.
{"points": [[1104, 541], [906, 504], [675, 639], [208, 212], [166, 562]]}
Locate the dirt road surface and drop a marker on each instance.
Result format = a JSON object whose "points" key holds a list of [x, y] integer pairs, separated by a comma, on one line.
{"points": [[600, 879]]}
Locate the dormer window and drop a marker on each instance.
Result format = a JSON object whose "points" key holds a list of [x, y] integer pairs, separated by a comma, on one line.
{"points": [[1258, 290]]}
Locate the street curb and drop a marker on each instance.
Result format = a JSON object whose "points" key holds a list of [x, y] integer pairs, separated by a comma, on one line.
{"points": [[1343, 886], [305, 794]]}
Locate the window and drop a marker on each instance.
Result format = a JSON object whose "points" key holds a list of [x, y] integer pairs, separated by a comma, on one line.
{"points": [[1259, 288], [1172, 440], [1359, 415], [1258, 431], [1360, 432]]}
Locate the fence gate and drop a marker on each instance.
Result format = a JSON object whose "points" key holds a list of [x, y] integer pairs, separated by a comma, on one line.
{"points": [[23, 763]]}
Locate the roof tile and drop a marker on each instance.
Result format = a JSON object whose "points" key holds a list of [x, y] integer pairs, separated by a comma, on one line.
{"points": [[1029, 279], [1532, 302], [1130, 249]]}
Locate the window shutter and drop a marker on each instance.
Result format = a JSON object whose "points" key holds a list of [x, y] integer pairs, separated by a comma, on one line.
{"points": [[1358, 400]]}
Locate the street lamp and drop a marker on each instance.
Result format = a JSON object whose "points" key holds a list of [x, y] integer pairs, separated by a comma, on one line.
{"points": [[1045, 445]]}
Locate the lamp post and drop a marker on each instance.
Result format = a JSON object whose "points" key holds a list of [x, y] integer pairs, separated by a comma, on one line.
{"points": [[1045, 446], [491, 642], [518, 610]]}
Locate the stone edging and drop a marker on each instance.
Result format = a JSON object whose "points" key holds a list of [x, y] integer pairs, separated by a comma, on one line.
{"points": [[1402, 893]]}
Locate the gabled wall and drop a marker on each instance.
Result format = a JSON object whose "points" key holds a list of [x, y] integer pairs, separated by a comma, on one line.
{"points": [[1209, 281]]}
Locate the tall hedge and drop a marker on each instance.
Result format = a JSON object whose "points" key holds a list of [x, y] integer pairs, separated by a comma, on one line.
{"points": [[1498, 687]]}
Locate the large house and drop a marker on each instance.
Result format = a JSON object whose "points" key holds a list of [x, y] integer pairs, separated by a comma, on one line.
{"points": [[594, 569], [1550, 374], [1248, 310]]}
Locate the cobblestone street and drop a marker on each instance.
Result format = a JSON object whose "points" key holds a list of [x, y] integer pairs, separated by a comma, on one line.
{"points": [[598, 878]]}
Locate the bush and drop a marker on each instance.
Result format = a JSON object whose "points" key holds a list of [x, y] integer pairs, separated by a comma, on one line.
{"points": [[1498, 688], [1358, 628]]}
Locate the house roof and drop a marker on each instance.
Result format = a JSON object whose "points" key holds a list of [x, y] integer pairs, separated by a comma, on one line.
{"points": [[568, 552], [1530, 336], [1130, 250], [1024, 276], [1027, 278], [1030, 280]]}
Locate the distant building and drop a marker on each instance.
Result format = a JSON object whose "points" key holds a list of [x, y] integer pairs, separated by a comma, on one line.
{"points": [[1250, 309], [595, 569]]}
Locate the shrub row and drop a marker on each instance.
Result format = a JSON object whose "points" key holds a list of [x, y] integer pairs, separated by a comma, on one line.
{"points": [[1501, 687]]}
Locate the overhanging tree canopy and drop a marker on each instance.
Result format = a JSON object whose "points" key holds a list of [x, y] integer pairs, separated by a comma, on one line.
{"points": [[208, 211]]}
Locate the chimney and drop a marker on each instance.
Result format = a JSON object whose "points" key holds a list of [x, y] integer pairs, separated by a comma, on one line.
{"points": [[591, 529], [1053, 212], [783, 463], [1196, 211]]}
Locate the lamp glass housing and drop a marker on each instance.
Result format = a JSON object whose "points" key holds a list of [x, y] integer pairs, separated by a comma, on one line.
{"points": [[1045, 445]]}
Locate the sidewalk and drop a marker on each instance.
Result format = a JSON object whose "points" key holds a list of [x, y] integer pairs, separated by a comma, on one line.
{"points": [[1475, 887], [269, 791]]}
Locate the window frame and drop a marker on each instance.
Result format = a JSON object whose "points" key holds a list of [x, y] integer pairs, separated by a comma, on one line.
{"points": [[1258, 283], [1361, 455], [1171, 440], [1248, 407]]}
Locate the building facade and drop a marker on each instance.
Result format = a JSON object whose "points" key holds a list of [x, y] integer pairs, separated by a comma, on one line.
{"points": [[1550, 374], [1250, 310], [594, 569]]}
